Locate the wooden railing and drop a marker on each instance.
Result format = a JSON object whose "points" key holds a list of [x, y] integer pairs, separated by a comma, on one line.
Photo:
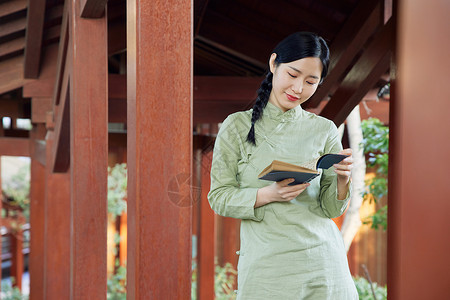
{"points": [[15, 247]]}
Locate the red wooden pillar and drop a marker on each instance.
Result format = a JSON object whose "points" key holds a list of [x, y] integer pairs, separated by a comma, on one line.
{"points": [[57, 228], [228, 233], [37, 218], [1, 203], [206, 241], [159, 116], [88, 154], [418, 232], [16, 242]]}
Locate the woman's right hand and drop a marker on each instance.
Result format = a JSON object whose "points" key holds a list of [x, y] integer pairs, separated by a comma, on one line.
{"points": [[279, 192]]}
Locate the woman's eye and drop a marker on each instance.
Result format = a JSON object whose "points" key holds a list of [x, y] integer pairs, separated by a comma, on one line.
{"points": [[310, 83], [293, 76]]}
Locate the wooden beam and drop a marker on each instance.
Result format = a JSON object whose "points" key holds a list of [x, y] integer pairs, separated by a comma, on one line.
{"points": [[39, 109], [159, 193], [231, 88], [33, 37], [12, 46], [14, 146], [88, 154], [46, 81], [11, 108], [373, 63], [359, 27], [93, 8], [11, 74], [11, 7], [13, 26]]}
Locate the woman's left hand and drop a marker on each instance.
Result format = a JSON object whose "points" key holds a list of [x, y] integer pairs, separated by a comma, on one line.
{"points": [[343, 169]]}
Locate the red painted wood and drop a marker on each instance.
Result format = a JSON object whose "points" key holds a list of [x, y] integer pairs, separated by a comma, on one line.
{"points": [[37, 220], [418, 183], [228, 234], [57, 263], [205, 256], [88, 154], [39, 109], [159, 73], [16, 242], [1, 204], [93, 8], [10, 146]]}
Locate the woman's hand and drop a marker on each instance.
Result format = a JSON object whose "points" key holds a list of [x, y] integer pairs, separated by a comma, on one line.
{"points": [[279, 192], [343, 171]]}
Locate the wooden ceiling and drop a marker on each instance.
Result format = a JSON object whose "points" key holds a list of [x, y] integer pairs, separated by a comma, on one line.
{"points": [[232, 39]]}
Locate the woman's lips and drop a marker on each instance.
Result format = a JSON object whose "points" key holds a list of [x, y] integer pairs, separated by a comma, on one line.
{"points": [[291, 98]]}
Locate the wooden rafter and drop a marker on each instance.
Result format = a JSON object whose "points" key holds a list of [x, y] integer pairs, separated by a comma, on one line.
{"points": [[373, 63], [93, 8], [33, 38], [360, 26], [11, 7], [11, 74], [12, 46], [13, 26]]}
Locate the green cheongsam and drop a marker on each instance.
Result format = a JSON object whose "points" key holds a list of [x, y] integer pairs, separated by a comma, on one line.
{"points": [[289, 250]]}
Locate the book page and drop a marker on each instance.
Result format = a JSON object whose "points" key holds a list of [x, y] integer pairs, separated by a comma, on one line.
{"points": [[311, 164]]}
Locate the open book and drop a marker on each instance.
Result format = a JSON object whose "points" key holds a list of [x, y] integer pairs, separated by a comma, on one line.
{"points": [[278, 170]]}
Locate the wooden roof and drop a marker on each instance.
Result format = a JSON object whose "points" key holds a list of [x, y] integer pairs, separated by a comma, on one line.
{"points": [[232, 40]]}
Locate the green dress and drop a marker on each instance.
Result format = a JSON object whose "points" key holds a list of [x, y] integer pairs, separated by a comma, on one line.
{"points": [[289, 250]]}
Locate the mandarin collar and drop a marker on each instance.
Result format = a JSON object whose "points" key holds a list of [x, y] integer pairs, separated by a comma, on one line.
{"points": [[275, 113]]}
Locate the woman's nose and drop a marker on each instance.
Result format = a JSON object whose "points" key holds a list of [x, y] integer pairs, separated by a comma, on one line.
{"points": [[298, 87]]}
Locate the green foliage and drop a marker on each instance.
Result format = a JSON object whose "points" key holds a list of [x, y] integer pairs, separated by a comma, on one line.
{"points": [[225, 279], [11, 293], [365, 291], [224, 282], [116, 284], [18, 188], [117, 189], [376, 146]]}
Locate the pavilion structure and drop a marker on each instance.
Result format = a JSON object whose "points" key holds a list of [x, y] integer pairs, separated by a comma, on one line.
{"points": [[166, 73]]}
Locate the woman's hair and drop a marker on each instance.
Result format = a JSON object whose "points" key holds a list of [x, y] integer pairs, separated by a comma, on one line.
{"points": [[296, 46]]}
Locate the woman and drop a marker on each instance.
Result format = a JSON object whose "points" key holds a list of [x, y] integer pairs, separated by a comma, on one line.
{"points": [[290, 248]]}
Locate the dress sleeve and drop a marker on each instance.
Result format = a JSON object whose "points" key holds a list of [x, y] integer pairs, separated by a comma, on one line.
{"points": [[226, 197], [331, 206]]}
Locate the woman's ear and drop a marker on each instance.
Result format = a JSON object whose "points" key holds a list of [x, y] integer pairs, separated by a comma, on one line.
{"points": [[272, 62]]}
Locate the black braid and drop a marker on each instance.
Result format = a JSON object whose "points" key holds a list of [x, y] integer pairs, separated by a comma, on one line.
{"points": [[260, 103]]}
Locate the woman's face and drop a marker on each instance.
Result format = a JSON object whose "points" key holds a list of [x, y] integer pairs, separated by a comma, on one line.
{"points": [[295, 82]]}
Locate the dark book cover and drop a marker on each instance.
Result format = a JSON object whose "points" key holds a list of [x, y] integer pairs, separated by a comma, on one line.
{"points": [[278, 170]]}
